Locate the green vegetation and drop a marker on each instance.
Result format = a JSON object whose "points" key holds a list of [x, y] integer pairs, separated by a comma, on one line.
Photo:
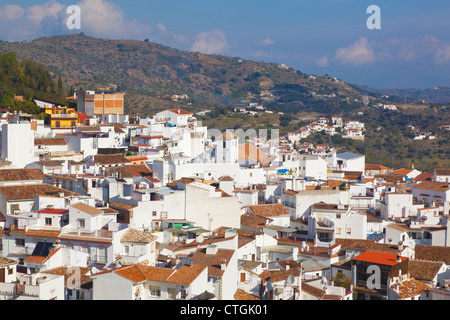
{"points": [[341, 280], [147, 71], [28, 79]]}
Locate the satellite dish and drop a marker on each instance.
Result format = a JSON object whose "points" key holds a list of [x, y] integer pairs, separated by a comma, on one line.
{"points": [[290, 280]]}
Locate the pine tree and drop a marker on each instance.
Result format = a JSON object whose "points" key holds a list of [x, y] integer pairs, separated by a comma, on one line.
{"points": [[60, 91]]}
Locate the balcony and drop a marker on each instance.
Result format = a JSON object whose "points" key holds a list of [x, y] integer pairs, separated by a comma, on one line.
{"points": [[87, 233]]}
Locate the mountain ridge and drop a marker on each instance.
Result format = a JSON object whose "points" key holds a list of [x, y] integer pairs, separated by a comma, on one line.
{"points": [[146, 71]]}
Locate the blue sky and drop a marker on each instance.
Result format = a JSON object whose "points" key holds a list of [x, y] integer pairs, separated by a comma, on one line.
{"points": [[411, 50]]}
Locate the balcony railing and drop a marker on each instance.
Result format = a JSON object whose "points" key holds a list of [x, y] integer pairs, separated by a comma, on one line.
{"points": [[22, 250], [88, 233]]}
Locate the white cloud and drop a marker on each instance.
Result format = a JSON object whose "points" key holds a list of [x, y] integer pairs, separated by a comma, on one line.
{"points": [[17, 23], [162, 27], [211, 42], [359, 53], [323, 62], [99, 18], [442, 55], [11, 12], [106, 19], [266, 42]]}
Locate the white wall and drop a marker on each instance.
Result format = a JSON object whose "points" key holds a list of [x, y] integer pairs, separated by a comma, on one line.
{"points": [[18, 144], [224, 211], [110, 286]]}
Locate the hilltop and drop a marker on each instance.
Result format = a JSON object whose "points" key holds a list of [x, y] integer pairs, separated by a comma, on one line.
{"points": [[147, 71]]}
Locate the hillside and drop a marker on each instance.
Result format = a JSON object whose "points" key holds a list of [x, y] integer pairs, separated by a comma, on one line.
{"points": [[146, 71], [22, 81], [430, 95]]}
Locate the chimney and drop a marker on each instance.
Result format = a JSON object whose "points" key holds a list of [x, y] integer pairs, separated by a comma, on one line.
{"points": [[229, 233], [354, 275], [223, 264], [399, 258], [211, 249]]}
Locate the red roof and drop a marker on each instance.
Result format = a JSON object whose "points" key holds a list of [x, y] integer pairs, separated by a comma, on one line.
{"points": [[180, 111], [388, 259], [53, 211], [402, 172]]}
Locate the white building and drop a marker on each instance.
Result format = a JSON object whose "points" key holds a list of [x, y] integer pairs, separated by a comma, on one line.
{"points": [[176, 117], [139, 282], [346, 161], [18, 144]]}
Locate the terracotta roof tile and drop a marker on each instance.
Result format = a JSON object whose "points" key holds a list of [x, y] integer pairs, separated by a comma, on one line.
{"points": [[432, 253], [213, 261], [433, 185], [402, 172], [21, 174], [442, 172], [423, 270], [316, 292], [50, 141], [139, 273], [370, 166], [68, 273], [242, 295], [269, 210], [366, 245], [133, 235], [410, 288], [253, 221], [122, 206], [279, 275], [105, 159], [180, 111], [87, 208], [28, 191], [186, 274]]}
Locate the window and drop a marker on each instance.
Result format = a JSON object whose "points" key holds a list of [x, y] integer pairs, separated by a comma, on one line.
{"points": [[101, 255], [154, 213], [183, 294], [127, 250], [349, 231], [81, 223], [155, 291], [171, 293], [20, 242], [10, 271], [48, 221], [14, 208], [338, 231]]}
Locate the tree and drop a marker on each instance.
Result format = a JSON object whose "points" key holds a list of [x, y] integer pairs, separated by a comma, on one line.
{"points": [[341, 280], [60, 90]]}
